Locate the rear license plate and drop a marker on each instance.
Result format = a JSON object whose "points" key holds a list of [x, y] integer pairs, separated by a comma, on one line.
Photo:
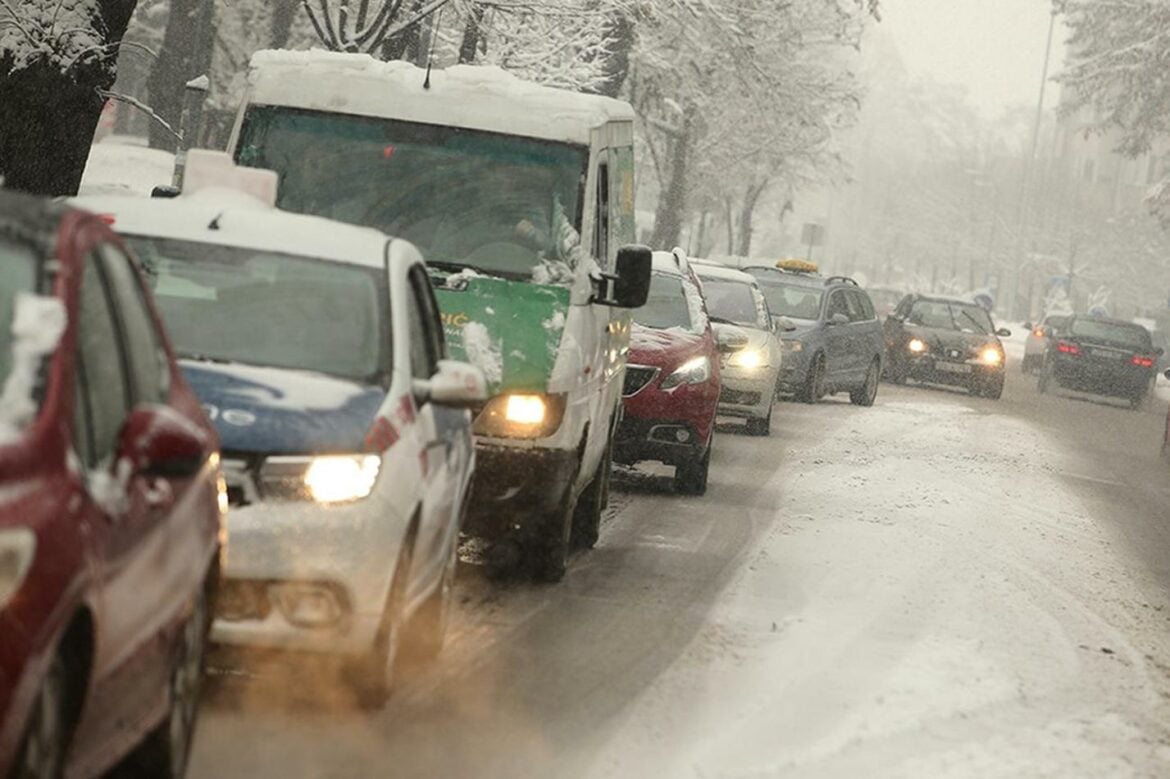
{"points": [[953, 367], [1106, 353]]}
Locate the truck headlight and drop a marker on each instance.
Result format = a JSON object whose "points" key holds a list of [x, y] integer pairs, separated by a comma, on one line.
{"points": [[521, 415], [693, 371], [17, 548], [336, 479], [748, 358]]}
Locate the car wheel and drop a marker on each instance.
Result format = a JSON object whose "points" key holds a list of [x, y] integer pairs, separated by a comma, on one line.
{"points": [[42, 753], [428, 627], [866, 394], [165, 750], [814, 386], [691, 478], [758, 426], [372, 676], [993, 390], [1045, 377], [587, 514], [1137, 401]]}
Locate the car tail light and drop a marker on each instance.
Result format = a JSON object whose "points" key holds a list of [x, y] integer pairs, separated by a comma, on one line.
{"points": [[1066, 347], [1142, 361]]}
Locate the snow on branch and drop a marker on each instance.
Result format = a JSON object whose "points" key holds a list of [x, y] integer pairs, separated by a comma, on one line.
{"points": [[61, 33]]}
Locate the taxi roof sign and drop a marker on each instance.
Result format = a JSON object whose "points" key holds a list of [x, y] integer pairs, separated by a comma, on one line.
{"points": [[207, 169], [798, 266]]}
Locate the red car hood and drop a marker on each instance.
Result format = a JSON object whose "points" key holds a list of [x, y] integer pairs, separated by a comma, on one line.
{"points": [[668, 349]]}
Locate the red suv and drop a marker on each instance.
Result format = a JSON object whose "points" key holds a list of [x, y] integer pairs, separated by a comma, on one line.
{"points": [[672, 378], [111, 510]]}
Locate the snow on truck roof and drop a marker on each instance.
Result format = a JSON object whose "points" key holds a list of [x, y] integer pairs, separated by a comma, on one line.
{"points": [[473, 96], [226, 217]]}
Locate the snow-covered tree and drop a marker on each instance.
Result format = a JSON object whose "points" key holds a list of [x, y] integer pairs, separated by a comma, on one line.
{"points": [[57, 58], [739, 96], [1119, 58]]}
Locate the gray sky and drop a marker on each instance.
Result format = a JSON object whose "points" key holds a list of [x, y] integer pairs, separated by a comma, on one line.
{"points": [[993, 47]]}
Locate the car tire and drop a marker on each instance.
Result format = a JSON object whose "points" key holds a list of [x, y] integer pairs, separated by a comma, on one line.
{"points": [[761, 427], [866, 394], [587, 514], [46, 742], [548, 556], [993, 390], [691, 478], [814, 384], [166, 749], [1137, 402], [372, 676], [427, 630]]}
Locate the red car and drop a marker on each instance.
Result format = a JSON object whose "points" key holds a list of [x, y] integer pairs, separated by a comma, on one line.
{"points": [[111, 510], [672, 378]]}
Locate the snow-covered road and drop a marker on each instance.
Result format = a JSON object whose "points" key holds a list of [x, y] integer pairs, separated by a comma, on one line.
{"points": [[938, 586]]}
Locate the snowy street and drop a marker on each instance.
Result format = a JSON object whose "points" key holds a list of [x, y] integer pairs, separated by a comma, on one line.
{"points": [[937, 586]]}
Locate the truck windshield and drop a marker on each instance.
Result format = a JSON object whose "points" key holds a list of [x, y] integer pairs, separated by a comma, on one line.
{"points": [[503, 205], [231, 304]]}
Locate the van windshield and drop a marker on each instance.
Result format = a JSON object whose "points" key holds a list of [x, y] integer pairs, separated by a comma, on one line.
{"points": [[503, 205], [232, 304]]}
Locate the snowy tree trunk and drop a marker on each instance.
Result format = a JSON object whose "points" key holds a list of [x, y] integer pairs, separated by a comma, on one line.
{"points": [[406, 44], [284, 13], [622, 33], [472, 35], [185, 54], [746, 213], [51, 108], [672, 205]]}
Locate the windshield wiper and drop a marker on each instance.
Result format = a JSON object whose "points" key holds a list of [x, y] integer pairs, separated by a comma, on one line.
{"points": [[200, 357], [718, 320], [458, 267], [975, 322]]}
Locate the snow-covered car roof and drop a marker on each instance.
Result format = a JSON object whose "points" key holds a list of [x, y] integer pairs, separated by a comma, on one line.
{"points": [[711, 271], [473, 96], [229, 218]]}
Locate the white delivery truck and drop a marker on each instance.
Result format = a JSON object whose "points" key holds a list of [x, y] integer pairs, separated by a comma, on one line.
{"points": [[521, 198]]}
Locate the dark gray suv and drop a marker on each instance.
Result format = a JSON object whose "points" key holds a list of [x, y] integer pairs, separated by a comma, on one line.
{"points": [[832, 339]]}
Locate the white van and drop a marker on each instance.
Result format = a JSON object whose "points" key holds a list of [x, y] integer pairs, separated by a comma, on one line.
{"points": [[521, 198]]}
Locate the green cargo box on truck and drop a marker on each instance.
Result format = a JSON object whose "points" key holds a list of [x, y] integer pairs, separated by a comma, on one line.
{"points": [[521, 198]]}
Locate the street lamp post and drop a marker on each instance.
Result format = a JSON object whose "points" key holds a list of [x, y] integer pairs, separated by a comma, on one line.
{"points": [[1026, 183]]}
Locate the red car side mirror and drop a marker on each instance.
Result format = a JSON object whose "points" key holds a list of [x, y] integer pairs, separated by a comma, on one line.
{"points": [[159, 441]]}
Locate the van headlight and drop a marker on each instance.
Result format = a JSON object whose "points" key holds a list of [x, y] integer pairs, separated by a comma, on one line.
{"points": [[693, 371], [748, 358], [521, 415], [336, 479], [17, 548]]}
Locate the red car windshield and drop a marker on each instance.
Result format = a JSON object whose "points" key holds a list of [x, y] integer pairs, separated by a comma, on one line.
{"points": [[18, 274], [667, 306]]}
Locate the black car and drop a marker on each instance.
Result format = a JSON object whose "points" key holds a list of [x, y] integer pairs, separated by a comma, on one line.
{"points": [[1102, 356], [940, 340]]}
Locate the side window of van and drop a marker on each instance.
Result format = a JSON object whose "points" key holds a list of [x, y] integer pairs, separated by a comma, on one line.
{"points": [[601, 223]]}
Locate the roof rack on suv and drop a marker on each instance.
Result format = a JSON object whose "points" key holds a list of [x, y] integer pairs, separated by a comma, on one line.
{"points": [[841, 279]]}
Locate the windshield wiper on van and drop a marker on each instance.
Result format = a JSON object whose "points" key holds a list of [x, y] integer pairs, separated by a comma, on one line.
{"points": [[718, 320], [201, 357]]}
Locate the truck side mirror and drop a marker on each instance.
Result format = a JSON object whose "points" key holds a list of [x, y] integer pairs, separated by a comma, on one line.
{"points": [[629, 285]]}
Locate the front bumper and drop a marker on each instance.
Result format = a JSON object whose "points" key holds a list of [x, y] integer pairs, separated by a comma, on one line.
{"points": [[303, 576], [954, 373], [638, 440], [515, 489], [747, 392]]}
